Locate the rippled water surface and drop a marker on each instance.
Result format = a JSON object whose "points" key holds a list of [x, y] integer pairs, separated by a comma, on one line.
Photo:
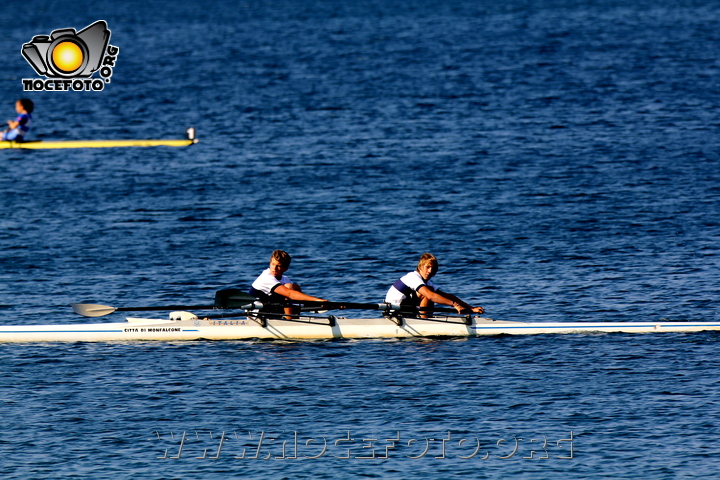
{"points": [[558, 157]]}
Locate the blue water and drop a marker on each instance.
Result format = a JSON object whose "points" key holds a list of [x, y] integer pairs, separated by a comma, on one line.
{"points": [[558, 157]]}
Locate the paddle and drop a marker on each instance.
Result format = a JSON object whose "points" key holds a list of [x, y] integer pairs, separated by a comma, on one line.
{"points": [[224, 299], [262, 319], [313, 306], [388, 307], [233, 298], [93, 310]]}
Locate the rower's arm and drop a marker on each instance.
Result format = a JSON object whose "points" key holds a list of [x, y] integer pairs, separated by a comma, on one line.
{"points": [[434, 296], [458, 304], [296, 295]]}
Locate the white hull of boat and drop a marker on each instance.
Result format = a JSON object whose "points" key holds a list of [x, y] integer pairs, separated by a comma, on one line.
{"points": [[142, 329]]}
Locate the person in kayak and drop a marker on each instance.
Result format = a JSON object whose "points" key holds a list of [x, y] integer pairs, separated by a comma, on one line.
{"points": [[416, 289], [273, 286], [19, 127]]}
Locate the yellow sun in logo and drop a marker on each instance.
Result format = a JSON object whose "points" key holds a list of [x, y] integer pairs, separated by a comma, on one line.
{"points": [[67, 56]]}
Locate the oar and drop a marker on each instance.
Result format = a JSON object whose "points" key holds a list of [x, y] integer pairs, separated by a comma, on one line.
{"points": [[224, 299], [262, 319], [93, 310], [388, 307], [232, 298], [348, 305], [235, 299]]}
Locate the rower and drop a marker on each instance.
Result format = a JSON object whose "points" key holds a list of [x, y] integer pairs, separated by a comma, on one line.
{"points": [[274, 287], [416, 289], [19, 127]]}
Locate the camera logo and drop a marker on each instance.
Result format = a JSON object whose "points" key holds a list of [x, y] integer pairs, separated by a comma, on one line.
{"points": [[68, 59]]}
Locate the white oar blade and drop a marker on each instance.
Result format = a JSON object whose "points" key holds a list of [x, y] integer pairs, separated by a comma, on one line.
{"points": [[91, 309]]}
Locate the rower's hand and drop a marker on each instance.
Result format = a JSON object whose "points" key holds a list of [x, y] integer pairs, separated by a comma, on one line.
{"points": [[461, 309]]}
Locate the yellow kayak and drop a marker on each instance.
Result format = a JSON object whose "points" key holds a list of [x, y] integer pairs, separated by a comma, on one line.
{"points": [[40, 144]]}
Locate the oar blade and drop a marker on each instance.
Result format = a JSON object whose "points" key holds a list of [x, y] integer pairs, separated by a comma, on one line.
{"points": [[91, 309], [232, 298]]}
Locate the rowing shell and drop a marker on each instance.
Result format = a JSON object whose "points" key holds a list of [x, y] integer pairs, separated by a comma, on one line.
{"points": [[193, 328], [97, 144], [39, 144]]}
